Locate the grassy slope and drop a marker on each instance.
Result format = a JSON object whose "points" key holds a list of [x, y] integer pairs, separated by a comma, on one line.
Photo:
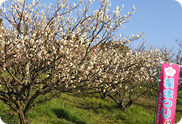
{"points": [[88, 110]]}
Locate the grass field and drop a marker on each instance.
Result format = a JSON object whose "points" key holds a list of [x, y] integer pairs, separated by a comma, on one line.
{"points": [[69, 109]]}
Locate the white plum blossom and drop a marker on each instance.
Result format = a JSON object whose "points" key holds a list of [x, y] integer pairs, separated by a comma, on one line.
{"points": [[21, 1], [2, 1], [117, 11]]}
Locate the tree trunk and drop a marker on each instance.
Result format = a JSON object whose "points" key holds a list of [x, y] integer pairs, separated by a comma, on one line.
{"points": [[120, 105], [128, 104], [23, 118], [103, 95]]}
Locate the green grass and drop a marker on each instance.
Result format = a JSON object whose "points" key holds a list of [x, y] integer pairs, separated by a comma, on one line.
{"points": [[70, 109]]}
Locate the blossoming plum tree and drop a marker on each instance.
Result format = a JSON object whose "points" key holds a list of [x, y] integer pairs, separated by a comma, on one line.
{"points": [[47, 50], [123, 74]]}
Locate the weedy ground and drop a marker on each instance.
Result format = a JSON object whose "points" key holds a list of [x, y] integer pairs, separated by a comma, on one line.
{"points": [[69, 109]]}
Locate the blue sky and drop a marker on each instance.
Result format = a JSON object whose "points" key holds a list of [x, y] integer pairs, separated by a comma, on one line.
{"points": [[160, 20]]}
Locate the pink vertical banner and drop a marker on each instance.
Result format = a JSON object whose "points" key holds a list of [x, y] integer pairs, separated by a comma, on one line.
{"points": [[167, 95]]}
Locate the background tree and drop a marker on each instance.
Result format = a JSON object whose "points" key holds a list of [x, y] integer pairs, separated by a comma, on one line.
{"points": [[123, 74], [46, 50], [177, 58]]}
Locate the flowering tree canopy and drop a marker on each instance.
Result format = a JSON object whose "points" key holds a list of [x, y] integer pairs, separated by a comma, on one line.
{"points": [[47, 50]]}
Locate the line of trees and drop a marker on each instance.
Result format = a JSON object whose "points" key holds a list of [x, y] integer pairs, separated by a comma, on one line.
{"points": [[46, 50]]}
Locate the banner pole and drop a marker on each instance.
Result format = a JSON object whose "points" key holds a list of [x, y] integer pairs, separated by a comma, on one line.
{"points": [[157, 91]]}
